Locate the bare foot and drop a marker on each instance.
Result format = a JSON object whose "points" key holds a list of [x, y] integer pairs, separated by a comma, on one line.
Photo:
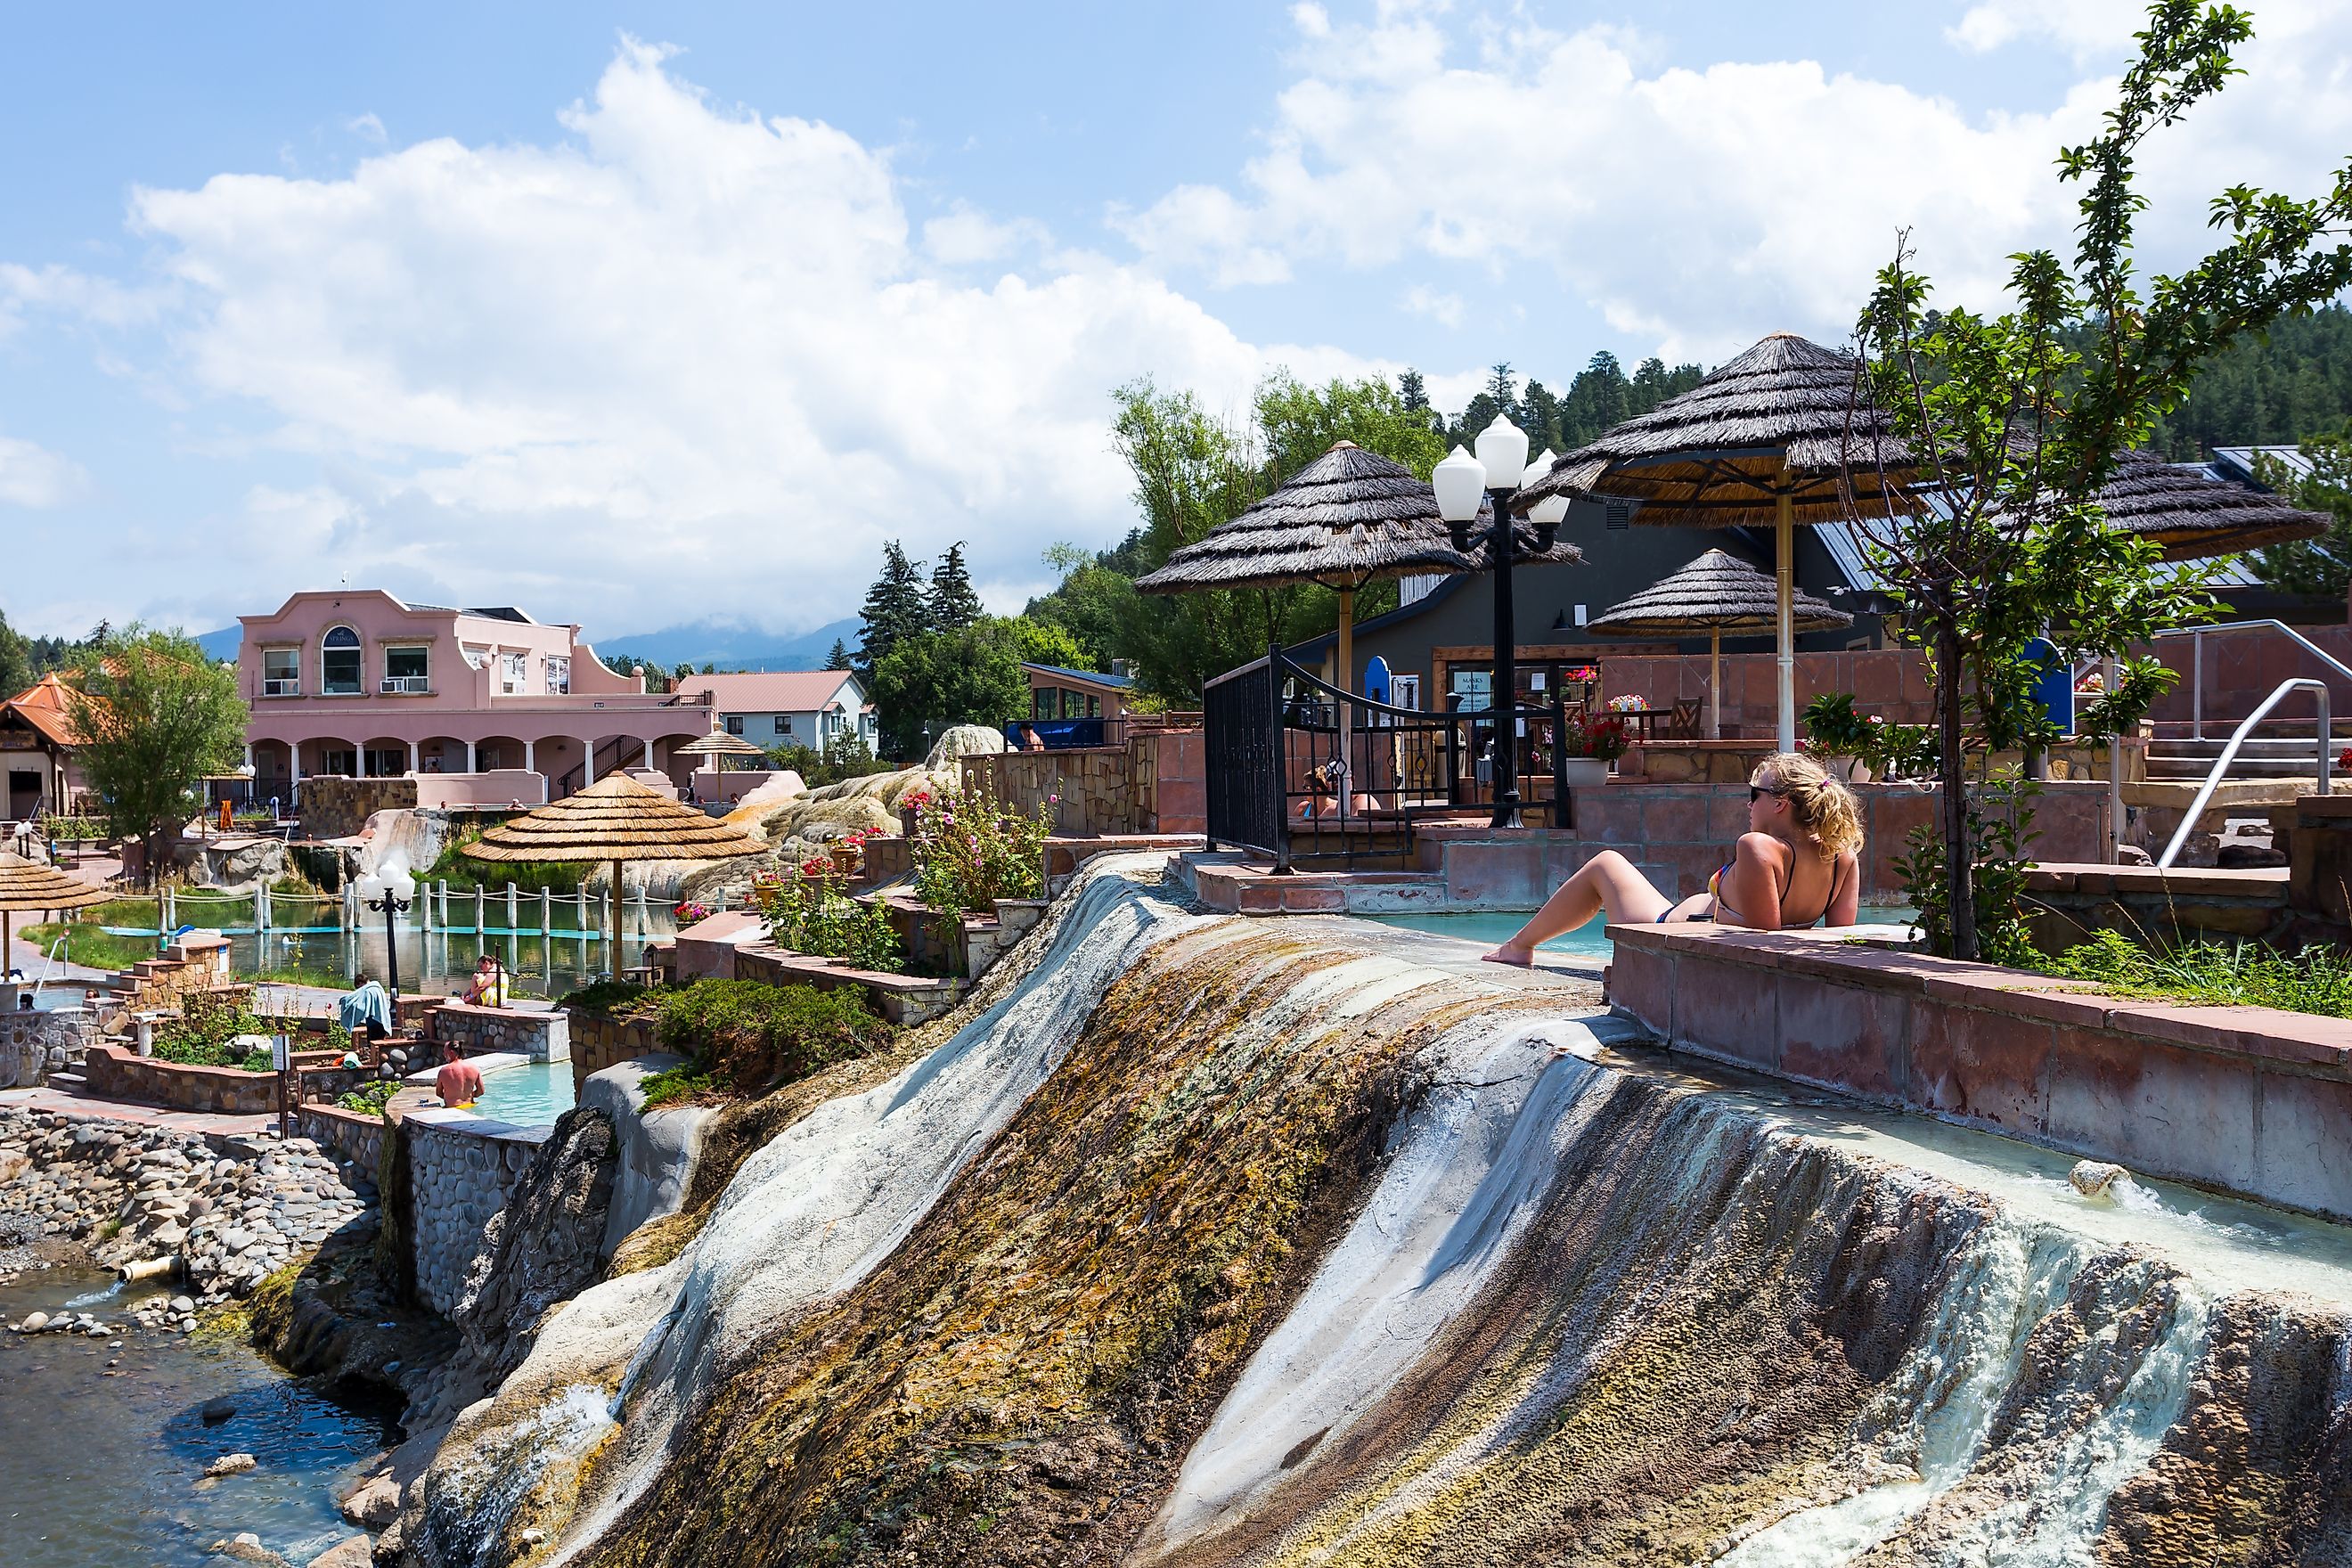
{"points": [[1522, 957]]}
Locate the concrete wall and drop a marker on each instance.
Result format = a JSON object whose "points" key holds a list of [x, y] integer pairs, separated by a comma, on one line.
{"points": [[497, 787], [461, 1168], [2247, 1099]]}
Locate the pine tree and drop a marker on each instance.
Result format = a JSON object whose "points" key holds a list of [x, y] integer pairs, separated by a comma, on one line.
{"points": [[952, 605], [1412, 389], [894, 609], [839, 658]]}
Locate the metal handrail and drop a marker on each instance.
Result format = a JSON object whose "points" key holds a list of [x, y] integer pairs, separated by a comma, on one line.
{"points": [[2229, 754], [2195, 635]]}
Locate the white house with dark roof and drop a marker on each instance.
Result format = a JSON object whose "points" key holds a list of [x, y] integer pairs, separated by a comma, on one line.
{"points": [[792, 708]]}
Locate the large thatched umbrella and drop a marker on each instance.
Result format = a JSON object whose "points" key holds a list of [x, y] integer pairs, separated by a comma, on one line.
{"points": [[719, 745], [27, 887], [616, 819], [1347, 519], [1720, 594], [1767, 438], [2193, 515]]}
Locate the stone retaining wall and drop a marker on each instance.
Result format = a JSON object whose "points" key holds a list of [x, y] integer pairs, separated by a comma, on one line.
{"points": [[2248, 1100], [2066, 904], [114, 1072], [34, 1045], [344, 1134], [461, 1170], [543, 1037], [600, 1041], [338, 808]]}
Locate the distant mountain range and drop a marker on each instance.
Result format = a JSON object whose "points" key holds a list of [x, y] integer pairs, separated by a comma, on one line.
{"points": [[699, 643]]}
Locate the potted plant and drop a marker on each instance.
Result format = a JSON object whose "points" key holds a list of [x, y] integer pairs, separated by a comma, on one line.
{"points": [[1837, 735], [1588, 744]]}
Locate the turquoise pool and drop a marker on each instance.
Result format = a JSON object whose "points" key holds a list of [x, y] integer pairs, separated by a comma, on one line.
{"points": [[533, 1096], [1585, 942]]}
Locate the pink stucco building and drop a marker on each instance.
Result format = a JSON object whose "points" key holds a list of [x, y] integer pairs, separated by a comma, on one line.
{"points": [[353, 682]]}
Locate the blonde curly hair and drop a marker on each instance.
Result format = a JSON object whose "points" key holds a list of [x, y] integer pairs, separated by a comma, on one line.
{"points": [[1823, 806]]}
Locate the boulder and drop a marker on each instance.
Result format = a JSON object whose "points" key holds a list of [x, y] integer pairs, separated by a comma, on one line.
{"points": [[231, 1465], [353, 1552], [963, 741]]}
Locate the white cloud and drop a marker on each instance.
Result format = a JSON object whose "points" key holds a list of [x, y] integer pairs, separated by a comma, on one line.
{"points": [[687, 363], [34, 477], [1442, 308], [1697, 209], [367, 127], [963, 236]]}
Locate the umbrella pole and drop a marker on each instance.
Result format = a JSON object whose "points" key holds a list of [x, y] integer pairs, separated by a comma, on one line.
{"points": [[1714, 683], [613, 922], [1346, 683], [1784, 539]]}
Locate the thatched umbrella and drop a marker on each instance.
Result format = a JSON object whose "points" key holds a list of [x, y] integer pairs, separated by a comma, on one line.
{"points": [[1718, 593], [1767, 438], [2193, 515], [27, 887], [616, 819], [719, 745], [1347, 519]]}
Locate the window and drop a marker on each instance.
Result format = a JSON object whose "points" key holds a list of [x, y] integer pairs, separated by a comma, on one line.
{"points": [[281, 672], [1043, 703], [734, 723], [331, 760], [783, 723], [386, 761], [404, 668], [558, 673], [1620, 515], [339, 663], [514, 673], [1094, 705]]}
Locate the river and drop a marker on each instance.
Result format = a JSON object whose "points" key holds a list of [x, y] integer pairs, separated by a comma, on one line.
{"points": [[102, 1450]]}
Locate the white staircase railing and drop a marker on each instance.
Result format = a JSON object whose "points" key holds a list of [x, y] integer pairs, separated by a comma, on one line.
{"points": [[2195, 635], [2230, 754]]}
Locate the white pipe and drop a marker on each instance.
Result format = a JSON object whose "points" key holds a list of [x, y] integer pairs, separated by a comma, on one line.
{"points": [[2229, 754], [140, 1269]]}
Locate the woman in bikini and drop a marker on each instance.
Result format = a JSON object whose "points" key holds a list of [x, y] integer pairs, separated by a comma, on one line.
{"points": [[1796, 864]]}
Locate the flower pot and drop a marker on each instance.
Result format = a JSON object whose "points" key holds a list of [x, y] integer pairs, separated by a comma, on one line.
{"points": [[1846, 770], [846, 857], [1583, 772]]}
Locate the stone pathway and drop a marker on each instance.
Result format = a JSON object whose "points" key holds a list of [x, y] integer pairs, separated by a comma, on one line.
{"points": [[59, 1102]]}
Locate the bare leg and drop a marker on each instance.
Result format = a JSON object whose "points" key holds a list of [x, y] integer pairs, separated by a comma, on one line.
{"points": [[1607, 881]]}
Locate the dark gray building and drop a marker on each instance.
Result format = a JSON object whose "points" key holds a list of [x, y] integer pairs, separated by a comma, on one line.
{"points": [[1441, 639]]}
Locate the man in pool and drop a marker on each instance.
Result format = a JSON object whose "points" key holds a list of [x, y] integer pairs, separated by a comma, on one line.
{"points": [[460, 1082]]}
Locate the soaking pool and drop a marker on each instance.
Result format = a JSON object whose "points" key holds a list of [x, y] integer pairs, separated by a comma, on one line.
{"points": [[532, 1095], [1587, 941]]}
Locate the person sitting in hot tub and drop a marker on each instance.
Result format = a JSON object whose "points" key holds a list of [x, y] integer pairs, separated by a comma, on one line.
{"points": [[1795, 865]]}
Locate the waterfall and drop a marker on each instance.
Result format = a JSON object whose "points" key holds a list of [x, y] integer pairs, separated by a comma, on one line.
{"points": [[1221, 1241]]}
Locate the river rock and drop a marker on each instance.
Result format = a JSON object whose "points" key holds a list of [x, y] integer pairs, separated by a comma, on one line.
{"points": [[2096, 1178], [232, 1464], [182, 1305], [374, 1502], [354, 1552], [217, 1411], [34, 1323]]}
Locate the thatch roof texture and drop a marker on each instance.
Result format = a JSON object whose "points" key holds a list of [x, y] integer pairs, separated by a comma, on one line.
{"points": [[1348, 518], [617, 818], [1715, 593], [27, 887], [2193, 515], [1780, 418], [720, 743]]}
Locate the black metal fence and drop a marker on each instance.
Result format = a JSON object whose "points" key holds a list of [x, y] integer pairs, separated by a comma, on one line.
{"points": [[1300, 770]]}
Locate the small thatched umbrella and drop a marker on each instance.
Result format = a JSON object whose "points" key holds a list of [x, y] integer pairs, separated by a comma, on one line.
{"points": [[2193, 515], [27, 887], [1347, 519], [616, 819], [1767, 438], [719, 745], [1718, 593]]}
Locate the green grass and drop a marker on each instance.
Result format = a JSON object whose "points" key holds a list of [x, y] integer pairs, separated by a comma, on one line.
{"points": [[2316, 980], [86, 944]]}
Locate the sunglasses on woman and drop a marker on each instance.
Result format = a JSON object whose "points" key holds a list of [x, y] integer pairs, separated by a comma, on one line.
{"points": [[1758, 792]]}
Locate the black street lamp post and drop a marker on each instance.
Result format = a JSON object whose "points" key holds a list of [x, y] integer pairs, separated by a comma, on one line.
{"points": [[393, 892]]}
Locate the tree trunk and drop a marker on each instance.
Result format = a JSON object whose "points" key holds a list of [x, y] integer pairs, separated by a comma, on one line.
{"points": [[1959, 864]]}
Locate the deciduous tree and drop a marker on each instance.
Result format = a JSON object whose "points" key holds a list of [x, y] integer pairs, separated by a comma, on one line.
{"points": [[154, 719]]}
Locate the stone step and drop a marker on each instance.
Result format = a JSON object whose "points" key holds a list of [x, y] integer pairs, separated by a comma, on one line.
{"points": [[70, 1082]]}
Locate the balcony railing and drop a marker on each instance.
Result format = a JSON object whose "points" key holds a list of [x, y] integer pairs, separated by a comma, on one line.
{"points": [[1299, 770]]}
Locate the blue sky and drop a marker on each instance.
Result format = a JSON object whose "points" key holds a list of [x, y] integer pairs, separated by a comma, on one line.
{"points": [[639, 315]]}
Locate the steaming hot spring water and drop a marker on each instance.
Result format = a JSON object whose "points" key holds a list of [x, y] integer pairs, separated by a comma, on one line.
{"points": [[1211, 1240]]}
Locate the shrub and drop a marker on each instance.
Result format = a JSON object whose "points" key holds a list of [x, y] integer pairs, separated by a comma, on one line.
{"points": [[1594, 735], [608, 997], [203, 1034], [971, 851], [813, 916], [370, 1098], [681, 1085], [749, 1037]]}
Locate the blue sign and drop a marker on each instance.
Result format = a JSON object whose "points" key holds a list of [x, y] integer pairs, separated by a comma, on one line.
{"points": [[1376, 680], [2054, 687]]}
